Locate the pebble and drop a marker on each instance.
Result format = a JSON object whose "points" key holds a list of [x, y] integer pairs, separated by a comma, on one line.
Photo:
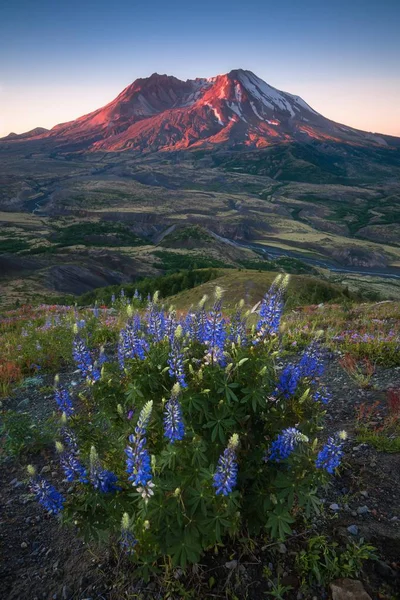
{"points": [[24, 545], [282, 549], [364, 493], [45, 469], [334, 507], [362, 510], [353, 529]]}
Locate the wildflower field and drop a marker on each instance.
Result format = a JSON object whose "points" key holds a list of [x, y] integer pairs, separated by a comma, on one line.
{"points": [[248, 452]]}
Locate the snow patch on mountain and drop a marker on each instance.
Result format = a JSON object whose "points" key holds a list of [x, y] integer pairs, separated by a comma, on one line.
{"points": [[217, 114], [255, 111]]}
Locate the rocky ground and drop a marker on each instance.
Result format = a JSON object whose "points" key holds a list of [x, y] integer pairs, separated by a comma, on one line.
{"points": [[39, 560]]}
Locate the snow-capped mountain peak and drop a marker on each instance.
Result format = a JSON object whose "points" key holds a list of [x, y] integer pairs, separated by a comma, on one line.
{"points": [[162, 112]]}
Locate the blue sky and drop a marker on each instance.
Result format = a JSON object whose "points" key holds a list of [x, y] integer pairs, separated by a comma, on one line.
{"points": [[61, 59]]}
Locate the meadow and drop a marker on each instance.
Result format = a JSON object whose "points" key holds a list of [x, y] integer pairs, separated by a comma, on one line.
{"points": [[200, 444]]}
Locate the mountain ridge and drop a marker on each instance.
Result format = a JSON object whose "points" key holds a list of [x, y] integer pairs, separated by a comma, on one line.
{"points": [[233, 110]]}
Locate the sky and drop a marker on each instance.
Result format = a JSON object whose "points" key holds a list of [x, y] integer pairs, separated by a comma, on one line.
{"points": [[60, 59]]}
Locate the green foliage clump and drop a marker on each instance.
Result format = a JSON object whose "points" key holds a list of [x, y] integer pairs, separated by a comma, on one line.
{"points": [[12, 245], [323, 560], [101, 234], [20, 434]]}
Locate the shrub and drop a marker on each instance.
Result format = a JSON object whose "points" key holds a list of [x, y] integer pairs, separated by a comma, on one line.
{"points": [[193, 435]]}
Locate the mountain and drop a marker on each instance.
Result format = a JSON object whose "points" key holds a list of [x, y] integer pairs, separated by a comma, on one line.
{"points": [[28, 134], [237, 110]]}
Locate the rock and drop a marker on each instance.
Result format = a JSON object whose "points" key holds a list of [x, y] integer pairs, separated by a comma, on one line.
{"points": [[353, 529], [232, 564], [45, 469], [282, 549], [364, 493], [385, 570], [348, 589], [353, 513], [334, 507], [24, 545], [362, 510]]}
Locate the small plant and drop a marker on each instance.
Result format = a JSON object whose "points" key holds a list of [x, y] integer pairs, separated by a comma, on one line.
{"points": [[383, 433], [323, 560], [20, 434], [360, 371], [278, 590], [10, 373]]}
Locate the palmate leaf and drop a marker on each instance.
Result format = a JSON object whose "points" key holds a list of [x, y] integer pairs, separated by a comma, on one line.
{"points": [[254, 396], [219, 427], [309, 500], [279, 523], [186, 548]]}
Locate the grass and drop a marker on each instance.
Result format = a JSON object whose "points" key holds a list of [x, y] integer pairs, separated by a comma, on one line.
{"points": [[380, 441], [251, 286]]}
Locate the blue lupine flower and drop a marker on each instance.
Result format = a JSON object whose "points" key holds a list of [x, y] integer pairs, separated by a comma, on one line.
{"points": [[225, 477], [285, 444], [102, 480], [102, 357], [82, 357], [122, 293], [96, 312], [155, 322], [288, 381], [131, 344], [175, 359], [69, 439], [237, 330], [136, 295], [323, 395], [195, 322], [64, 403], [170, 326], [138, 463], [127, 539], [46, 494], [174, 428], [311, 363], [215, 334], [113, 298], [72, 467], [329, 458], [271, 310]]}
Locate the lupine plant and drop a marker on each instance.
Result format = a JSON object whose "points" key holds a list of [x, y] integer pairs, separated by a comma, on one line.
{"points": [[192, 434]]}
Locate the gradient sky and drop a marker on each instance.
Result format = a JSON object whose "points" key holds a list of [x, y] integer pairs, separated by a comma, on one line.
{"points": [[60, 59]]}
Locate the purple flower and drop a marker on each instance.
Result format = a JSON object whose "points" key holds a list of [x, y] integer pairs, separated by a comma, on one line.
{"points": [[46, 494], [330, 457], [175, 359], [285, 444], [102, 480], [271, 310], [225, 477], [215, 334], [127, 539], [311, 363], [174, 428], [288, 381], [64, 403], [138, 463]]}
